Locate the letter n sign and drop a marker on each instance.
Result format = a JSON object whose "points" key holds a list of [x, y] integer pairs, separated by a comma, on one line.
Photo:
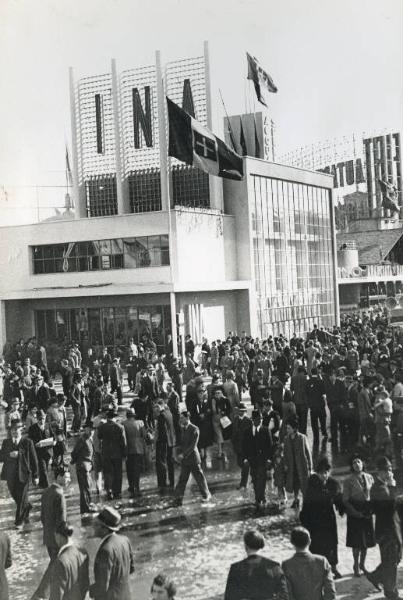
{"points": [[187, 99], [142, 117]]}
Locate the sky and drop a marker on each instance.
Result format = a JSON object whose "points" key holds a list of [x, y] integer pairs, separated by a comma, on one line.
{"points": [[336, 65]]}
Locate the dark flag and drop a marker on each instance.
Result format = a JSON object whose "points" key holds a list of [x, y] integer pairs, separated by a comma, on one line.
{"points": [[261, 79], [242, 140], [194, 144]]}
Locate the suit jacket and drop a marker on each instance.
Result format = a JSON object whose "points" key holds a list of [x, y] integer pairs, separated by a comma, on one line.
{"points": [[26, 463], [135, 436], [53, 512], [387, 521], [115, 374], [113, 440], [309, 576], [5, 563], [256, 578], [239, 429], [113, 565], [301, 461], [257, 449], [149, 387], [83, 452], [165, 428], [70, 574], [36, 434], [189, 440]]}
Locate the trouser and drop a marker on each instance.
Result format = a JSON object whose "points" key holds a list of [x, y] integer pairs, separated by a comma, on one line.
{"points": [[118, 389], [43, 464], [318, 415], [19, 493], [164, 464], [134, 465], [259, 478], [302, 414], [42, 591], [112, 469], [244, 466], [336, 423], [386, 572], [76, 424], [84, 485], [196, 471]]}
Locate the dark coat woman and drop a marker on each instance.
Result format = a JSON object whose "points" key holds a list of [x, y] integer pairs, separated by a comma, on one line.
{"points": [[318, 516], [360, 527]]}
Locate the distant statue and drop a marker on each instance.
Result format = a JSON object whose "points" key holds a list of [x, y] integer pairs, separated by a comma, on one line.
{"points": [[389, 196]]}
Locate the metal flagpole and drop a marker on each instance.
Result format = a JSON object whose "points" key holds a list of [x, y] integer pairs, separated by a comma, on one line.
{"points": [[231, 133], [165, 195]]}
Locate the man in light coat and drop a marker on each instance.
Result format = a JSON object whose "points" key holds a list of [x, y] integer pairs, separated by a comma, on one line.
{"points": [[308, 575]]}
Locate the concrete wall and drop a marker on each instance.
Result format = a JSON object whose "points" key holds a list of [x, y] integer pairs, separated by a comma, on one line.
{"points": [[16, 256], [220, 311], [206, 246]]}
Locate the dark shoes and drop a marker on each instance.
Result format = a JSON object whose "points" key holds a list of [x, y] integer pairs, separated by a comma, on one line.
{"points": [[295, 504], [336, 573], [374, 582]]}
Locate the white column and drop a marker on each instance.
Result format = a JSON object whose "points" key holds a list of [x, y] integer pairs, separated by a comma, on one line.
{"points": [[3, 332], [162, 133], [215, 183], [123, 202], [172, 299], [80, 209]]}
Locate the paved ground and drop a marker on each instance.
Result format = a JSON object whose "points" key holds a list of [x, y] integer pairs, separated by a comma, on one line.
{"points": [[195, 544]]}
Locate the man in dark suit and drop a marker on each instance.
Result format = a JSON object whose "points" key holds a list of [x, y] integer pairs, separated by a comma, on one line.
{"points": [[255, 577], [149, 385], [113, 450], [387, 529], [53, 514], [114, 561], [5, 563], [240, 425], [190, 460], [82, 456], [165, 442], [308, 575], [19, 465], [258, 451], [135, 437], [37, 433]]}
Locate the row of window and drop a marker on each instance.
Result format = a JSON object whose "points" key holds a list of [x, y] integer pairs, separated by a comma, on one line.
{"points": [[123, 253]]}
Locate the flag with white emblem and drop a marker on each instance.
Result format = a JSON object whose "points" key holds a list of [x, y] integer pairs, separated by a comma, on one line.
{"points": [[193, 143], [261, 79]]}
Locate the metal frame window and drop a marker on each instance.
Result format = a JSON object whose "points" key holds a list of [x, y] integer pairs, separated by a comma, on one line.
{"points": [[101, 255]]}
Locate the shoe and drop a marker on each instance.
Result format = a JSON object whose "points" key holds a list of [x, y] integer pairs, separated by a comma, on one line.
{"points": [[295, 504], [207, 498], [357, 572], [178, 502], [372, 580], [363, 568], [336, 573], [241, 487], [109, 495], [92, 508]]}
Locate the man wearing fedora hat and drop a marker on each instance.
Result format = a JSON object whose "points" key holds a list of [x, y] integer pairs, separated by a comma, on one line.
{"points": [[113, 450], [114, 560], [241, 424], [19, 465]]}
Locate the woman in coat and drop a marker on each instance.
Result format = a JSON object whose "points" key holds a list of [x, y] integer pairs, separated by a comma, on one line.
{"points": [[70, 569], [298, 460], [360, 527], [318, 516]]}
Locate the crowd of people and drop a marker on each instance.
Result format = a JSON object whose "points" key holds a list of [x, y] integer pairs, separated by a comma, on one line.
{"points": [[247, 396]]}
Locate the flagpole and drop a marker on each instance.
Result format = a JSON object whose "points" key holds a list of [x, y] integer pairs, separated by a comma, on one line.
{"points": [[230, 131], [165, 195]]}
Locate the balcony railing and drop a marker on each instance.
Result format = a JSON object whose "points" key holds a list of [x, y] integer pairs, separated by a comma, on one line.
{"points": [[370, 271]]}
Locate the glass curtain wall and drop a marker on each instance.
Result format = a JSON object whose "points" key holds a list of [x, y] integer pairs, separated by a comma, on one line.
{"points": [[293, 257], [98, 327]]}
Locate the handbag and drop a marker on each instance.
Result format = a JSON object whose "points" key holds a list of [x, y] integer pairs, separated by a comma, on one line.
{"points": [[225, 422]]}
